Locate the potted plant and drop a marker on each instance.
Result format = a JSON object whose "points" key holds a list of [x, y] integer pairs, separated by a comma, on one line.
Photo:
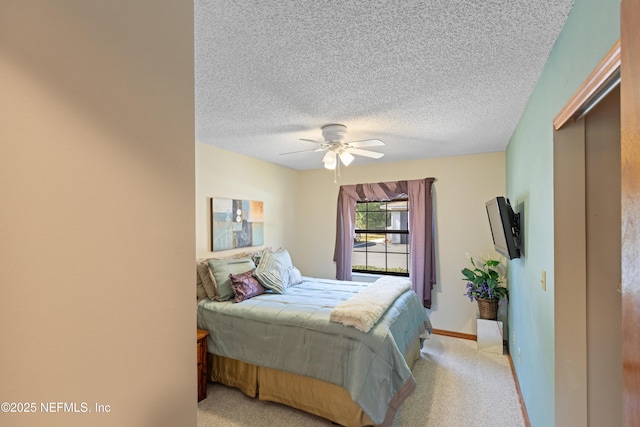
{"points": [[483, 286]]}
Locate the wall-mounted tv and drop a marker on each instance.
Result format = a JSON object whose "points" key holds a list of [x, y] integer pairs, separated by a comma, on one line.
{"points": [[505, 227]]}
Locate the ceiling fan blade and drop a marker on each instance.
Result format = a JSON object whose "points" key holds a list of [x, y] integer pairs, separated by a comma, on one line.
{"points": [[366, 143], [365, 153], [324, 147], [311, 140], [302, 151]]}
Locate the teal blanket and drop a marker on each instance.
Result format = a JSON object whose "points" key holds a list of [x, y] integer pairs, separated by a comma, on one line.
{"points": [[292, 332]]}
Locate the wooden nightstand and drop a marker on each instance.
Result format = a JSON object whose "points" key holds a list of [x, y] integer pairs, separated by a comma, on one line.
{"points": [[202, 364]]}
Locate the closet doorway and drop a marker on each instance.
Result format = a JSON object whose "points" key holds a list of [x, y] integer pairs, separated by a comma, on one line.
{"points": [[587, 260]]}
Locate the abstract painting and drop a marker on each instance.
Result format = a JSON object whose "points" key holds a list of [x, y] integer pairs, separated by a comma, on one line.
{"points": [[236, 224]]}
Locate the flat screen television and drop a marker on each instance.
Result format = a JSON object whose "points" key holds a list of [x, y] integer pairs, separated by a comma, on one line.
{"points": [[505, 227]]}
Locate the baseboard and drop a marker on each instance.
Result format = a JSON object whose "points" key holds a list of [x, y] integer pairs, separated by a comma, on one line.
{"points": [[466, 337], [523, 407], [455, 334]]}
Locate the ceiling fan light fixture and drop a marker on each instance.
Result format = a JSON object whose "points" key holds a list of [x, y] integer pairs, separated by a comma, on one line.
{"points": [[339, 152], [329, 160], [346, 158], [330, 166]]}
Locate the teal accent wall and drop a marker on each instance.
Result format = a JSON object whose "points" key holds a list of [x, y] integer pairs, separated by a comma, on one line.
{"points": [[591, 29]]}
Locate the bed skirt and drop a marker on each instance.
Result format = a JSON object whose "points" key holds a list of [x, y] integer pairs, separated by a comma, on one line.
{"points": [[311, 395]]}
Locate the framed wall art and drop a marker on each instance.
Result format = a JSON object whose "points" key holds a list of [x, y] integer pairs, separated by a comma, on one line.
{"points": [[236, 224]]}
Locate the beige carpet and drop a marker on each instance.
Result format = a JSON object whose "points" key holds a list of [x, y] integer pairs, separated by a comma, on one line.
{"points": [[458, 386]]}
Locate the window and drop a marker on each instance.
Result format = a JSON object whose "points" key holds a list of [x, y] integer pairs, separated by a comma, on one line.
{"points": [[422, 264], [381, 240]]}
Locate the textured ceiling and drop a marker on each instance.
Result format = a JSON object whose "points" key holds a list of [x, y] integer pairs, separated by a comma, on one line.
{"points": [[430, 78]]}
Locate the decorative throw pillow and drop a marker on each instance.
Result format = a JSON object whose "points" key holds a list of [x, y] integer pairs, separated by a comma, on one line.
{"points": [[271, 273], [220, 270], [245, 286], [207, 281], [295, 277]]}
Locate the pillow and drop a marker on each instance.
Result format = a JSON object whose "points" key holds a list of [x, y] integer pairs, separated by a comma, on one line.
{"points": [[295, 277], [271, 274], [220, 270], [254, 255], [200, 292], [283, 258], [207, 281], [245, 286]]}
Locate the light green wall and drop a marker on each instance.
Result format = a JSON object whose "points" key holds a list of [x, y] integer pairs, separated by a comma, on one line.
{"points": [[591, 29]]}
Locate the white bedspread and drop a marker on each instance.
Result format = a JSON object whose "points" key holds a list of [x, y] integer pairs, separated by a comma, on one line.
{"points": [[365, 308]]}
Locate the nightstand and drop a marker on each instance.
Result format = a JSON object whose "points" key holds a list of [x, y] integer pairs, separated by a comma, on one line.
{"points": [[202, 364]]}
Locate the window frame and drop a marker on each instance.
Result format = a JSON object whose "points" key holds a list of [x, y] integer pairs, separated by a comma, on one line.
{"points": [[385, 231]]}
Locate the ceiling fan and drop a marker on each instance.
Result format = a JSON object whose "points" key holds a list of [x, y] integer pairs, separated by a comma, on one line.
{"points": [[337, 148]]}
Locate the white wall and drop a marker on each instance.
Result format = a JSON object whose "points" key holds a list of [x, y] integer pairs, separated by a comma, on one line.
{"points": [[223, 174], [300, 213], [96, 211], [463, 185]]}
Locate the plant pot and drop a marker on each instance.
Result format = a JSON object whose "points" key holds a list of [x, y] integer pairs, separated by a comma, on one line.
{"points": [[488, 308]]}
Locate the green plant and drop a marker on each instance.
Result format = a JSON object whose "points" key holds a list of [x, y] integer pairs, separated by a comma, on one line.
{"points": [[483, 281]]}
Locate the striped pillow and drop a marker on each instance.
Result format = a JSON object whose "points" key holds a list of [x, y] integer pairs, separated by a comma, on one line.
{"points": [[283, 258], [271, 272]]}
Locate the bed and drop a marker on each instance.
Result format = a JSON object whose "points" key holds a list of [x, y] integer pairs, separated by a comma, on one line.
{"points": [[285, 348]]}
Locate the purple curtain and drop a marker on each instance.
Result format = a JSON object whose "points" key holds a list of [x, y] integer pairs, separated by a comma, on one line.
{"points": [[422, 245]]}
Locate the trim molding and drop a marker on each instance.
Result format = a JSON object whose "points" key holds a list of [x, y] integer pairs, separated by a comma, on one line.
{"points": [[465, 337], [455, 334], [523, 407], [605, 69]]}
